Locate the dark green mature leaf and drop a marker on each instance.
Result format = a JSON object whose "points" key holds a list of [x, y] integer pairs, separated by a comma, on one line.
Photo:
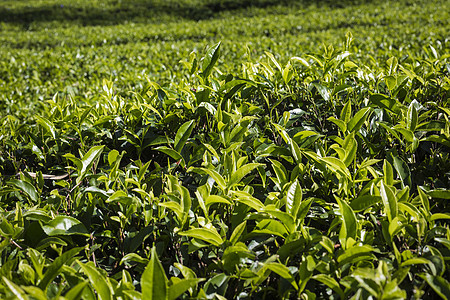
{"points": [[283, 271], [331, 283], [27, 188], [364, 202], [439, 284], [64, 225], [54, 269], [154, 282]]}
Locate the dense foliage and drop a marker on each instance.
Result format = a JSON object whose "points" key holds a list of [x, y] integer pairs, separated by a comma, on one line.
{"points": [[275, 168]]}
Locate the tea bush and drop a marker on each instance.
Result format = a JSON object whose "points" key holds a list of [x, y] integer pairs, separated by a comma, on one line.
{"points": [[264, 166]]}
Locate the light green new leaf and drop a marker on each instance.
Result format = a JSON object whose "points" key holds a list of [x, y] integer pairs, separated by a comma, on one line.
{"points": [[294, 198], [439, 193], [336, 165], [205, 234], [88, 160], [154, 282], [183, 133], [181, 286], [27, 188], [411, 117], [388, 173], [210, 59], [237, 232], [98, 281], [440, 216], [349, 226], [216, 199], [18, 292], [47, 125], [346, 112], [358, 119], [389, 201], [350, 146], [241, 172], [76, 292]]}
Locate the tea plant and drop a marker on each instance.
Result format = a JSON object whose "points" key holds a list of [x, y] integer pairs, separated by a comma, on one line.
{"points": [[322, 175]]}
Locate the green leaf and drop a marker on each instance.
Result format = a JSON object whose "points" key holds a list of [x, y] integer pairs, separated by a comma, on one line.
{"points": [[133, 257], [350, 146], [214, 175], [411, 117], [346, 112], [88, 160], [364, 202], [101, 284], [349, 223], [237, 232], [383, 101], [440, 216], [54, 269], [439, 193], [172, 153], [27, 188], [402, 170], [154, 282], [355, 254], [389, 201], [323, 91], [415, 261], [217, 199], [331, 283], [76, 292], [205, 234], [181, 286], [283, 271], [64, 225], [440, 285], [388, 173], [210, 59], [358, 119], [237, 176], [294, 198], [183, 133], [47, 125], [15, 289]]}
